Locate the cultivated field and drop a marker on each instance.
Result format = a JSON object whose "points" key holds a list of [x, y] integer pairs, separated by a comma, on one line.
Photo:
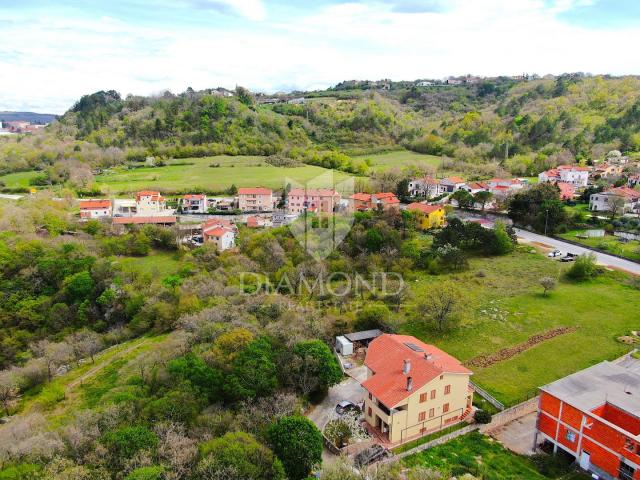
{"points": [[507, 308], [198, 174]]}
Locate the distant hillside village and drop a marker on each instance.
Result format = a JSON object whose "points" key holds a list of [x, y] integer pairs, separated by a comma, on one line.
{"points": [[19, 126]]}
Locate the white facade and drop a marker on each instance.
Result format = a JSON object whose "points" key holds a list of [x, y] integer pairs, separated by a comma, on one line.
{"points": [[425, 187], [576, 176], [194, 204], [603, 202], [255, 199]]}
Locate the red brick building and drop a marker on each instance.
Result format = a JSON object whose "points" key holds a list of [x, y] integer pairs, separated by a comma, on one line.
{"points": [[594, 415]]}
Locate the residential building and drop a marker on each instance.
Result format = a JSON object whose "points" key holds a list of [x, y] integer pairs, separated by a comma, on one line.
{"points": [[594, 416], [427, 187], [281, 218], [633, 181], [90, 209], [314, 200], [621, 200], [372, 201], [221, 232], [120, 222], [451, 184], [150, 203], [573, 174], [256, 221], [255, 199], [567, 190], [608, 170], [413, 388], [431, 216], [124, 207], [475, 187], [194, 204]]}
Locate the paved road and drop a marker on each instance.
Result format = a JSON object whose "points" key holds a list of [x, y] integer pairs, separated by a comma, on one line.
{"points": [[349, 389], [10, 197], [603, 258], [518, 436]]}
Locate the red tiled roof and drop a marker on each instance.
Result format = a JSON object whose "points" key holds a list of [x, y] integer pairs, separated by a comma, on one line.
{"points": [[253, 222], [217, 222], [454, 179], [363, 197], [385, 357], [477, 185], [566, 190], [625, 192], [92, 204], [387, 197], [574, 167], [194, 197], [217, 231], [254, 191], [423, 207], [142, 220]]}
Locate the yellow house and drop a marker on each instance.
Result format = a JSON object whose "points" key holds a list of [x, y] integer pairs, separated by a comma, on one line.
{"points": [[431, 216], [413, 389]]}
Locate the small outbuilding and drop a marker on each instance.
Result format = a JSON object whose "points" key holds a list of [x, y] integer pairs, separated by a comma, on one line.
{"points": [[363, 338], [344, 346]]}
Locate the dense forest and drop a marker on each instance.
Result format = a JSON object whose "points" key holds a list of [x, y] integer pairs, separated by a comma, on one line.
{"points": [[524, 126]]}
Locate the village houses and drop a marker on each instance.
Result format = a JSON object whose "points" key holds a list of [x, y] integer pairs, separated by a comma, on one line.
{"points": [[194, 204], [426, 187], [618, 200], [90, 209], [320, 200], [220, 232], [255, 199], [451, 184], [413, 388], [431, 216], [571, 174], [373, 201]]}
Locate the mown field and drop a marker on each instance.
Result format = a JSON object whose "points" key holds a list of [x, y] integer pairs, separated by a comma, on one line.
{"points": [[485, 458], [198, 174], [608, 243], [507, 307], [17, 180], [400, 158]]}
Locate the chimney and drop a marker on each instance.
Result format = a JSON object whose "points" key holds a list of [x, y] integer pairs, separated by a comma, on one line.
{"points": [[409, 384], [406, 368], [428, 357]]}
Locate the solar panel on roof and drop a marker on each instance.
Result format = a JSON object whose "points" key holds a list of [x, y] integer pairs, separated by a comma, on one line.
{"points": [[414, 347]]}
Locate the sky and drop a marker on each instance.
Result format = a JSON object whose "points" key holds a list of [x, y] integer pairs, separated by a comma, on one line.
{"points": [[51, 53]]}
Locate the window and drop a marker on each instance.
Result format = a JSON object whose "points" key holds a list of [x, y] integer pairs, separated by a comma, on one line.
{"points": [[422, 416], [441, 377], [571, 436], [423, 397], [447, 389], [432, 412], [445, 408], [370, 412], [370, 397], [433, 394]]}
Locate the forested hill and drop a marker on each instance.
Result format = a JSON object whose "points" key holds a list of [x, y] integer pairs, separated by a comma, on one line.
{"points": [[526, 126], [32, 117]]}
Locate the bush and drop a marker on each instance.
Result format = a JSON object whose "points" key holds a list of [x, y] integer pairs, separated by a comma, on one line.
{"points": [[584, 268], [125, 442], [482, 416], [146, 473], [298, 443]]}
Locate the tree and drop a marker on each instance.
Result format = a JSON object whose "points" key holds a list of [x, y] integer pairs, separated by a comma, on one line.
{"points": [[616, 206], [372, 315], [548, 284], [483, 197], [464, 198], [316, 367], [539, 207], [8, 391], [202, 378], [240, 453], [52, 354], [298, 444], [125, 442], [79, 286], [443, 305], [584, 268], [402, 189], [254, 372], [502, 242], [84, 343]]}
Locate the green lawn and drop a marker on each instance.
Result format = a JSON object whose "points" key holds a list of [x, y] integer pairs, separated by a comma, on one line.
{"points": [[482, 457], [608, 243], [196, 174], [507, 307], [157, 264], [17, 180], [400, 158]]}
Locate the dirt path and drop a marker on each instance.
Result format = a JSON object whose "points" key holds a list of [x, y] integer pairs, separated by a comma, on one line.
{"points": [[93, 371]]}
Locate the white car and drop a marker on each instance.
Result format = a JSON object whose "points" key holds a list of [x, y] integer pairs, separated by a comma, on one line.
{"points": [[555, 253]]}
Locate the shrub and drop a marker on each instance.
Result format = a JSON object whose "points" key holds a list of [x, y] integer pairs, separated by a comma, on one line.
{"points": [[125, 442], [482, 416], [298, 443], [584, 268], [146, 473]]}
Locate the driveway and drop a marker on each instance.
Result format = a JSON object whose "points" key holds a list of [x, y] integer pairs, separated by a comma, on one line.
{"points": [[603, 258], [349, 389], [518, 435]]}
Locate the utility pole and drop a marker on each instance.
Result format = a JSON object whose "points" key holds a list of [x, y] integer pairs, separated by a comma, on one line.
{"points": [[546, 220]]}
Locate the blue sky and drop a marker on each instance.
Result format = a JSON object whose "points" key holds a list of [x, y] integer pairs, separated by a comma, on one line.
{"points": [[51, 53]]}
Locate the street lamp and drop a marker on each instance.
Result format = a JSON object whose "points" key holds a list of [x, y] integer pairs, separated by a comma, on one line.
{"points": [[546, 221]]}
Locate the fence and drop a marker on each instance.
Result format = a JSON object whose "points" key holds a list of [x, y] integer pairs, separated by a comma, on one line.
{"points": [[511, 414], [487, 396]]}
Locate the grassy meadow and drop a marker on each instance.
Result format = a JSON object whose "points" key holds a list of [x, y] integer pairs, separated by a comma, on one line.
{"points": [[18, 179], [482, 457], [198, 174], [400, 158], [506, 307], [608, 243]]}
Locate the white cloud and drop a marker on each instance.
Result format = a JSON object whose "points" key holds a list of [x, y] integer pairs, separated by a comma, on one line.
{"points": [[47, 63]]}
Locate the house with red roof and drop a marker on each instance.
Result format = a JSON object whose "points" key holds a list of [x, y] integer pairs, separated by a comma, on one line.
{"points": [[573, 174], [426, 187], [255, 199], [430, 216], [194, 204], [567, 190], [451, 184], [371, 201], [313, 200], [95, 209], [221, 232], [150, 203], [619, 200], [413, 389]]}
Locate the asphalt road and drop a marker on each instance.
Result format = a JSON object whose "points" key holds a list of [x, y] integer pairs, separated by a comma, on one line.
{"points": [[564, 247]]}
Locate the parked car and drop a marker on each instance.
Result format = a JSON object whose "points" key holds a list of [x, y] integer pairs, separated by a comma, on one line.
{"points": [[555, 253], [347, 406], [569, 257]]}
